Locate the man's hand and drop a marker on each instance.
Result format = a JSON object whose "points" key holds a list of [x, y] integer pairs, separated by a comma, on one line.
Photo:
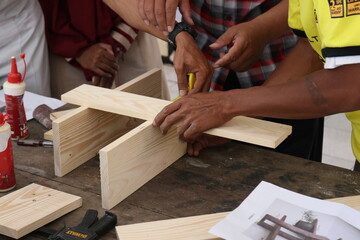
{"points": [[189, 59], [100, 59], [162, 13], [245, 43], [105, 82], [204, 141], [194, 114]]}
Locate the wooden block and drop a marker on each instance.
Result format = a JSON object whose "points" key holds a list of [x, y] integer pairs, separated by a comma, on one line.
{"points": [[134, 159], [195, 228], [240, 128], [31, 207], [80, 134], [48, 135]]}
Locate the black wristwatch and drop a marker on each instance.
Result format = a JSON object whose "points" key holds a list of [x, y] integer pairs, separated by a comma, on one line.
{"points": [[179, 27]]}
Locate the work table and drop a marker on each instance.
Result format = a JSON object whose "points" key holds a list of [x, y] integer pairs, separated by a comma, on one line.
{"points": [[217, 181]]}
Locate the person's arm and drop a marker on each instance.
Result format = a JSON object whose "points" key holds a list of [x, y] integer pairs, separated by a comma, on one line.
{"points": [[318, 94], [128, 11], [300, 61], [188, 56], [162, 13], [246, 41]]}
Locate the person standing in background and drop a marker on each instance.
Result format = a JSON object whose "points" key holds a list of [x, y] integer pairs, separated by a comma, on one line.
{"points": [[22, 31], [89, 43]]}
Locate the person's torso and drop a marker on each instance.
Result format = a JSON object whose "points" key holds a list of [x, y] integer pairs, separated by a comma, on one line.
{"points": [[213, 17], [333, 30], [332, 27]]}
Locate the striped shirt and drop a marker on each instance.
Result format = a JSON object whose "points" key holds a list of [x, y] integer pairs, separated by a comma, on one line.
{"points": [[123, 35], [213, 17]]}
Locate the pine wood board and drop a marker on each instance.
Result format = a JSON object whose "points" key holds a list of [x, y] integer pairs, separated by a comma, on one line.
{"points": [[48, 135], [80, 134], [134, 159], [77, 145], [33, 206], [57, 114], [191, 228], [240, 128]]}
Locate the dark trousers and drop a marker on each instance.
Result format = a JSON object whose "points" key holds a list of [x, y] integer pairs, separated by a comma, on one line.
{"points": [[357, 166], [306, 138]]}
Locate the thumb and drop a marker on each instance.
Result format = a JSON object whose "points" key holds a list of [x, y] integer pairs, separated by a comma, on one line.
{"points": [[222, 41], [185, 10]]}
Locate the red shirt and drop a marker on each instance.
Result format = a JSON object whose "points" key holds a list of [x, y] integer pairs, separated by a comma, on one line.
{"points": [[72, 26]]}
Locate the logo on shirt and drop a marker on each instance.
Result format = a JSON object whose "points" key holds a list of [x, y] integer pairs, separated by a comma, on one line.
{"points": [[336, 8], [352, 7]]}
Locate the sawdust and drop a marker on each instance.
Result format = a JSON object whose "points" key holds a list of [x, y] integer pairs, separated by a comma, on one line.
{"points": [[197, 163]]}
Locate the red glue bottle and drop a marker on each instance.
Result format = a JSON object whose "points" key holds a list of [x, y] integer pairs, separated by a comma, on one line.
{"points": [[14, 89], [7, 174]]}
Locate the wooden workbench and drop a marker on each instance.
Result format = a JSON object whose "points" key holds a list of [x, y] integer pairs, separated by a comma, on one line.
{"points": [[217, 181]]}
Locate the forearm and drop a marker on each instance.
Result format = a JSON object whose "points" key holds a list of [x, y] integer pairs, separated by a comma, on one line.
{"points": [[274, 21], [321, 93], [301, 61], [127, 9]]}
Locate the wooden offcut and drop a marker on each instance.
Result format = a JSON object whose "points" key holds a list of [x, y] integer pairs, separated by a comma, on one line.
{"points": [[33, 206], [195, 228], [250, 130]]}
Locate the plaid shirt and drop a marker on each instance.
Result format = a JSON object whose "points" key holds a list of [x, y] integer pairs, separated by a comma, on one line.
{"points": [[213, 17]]}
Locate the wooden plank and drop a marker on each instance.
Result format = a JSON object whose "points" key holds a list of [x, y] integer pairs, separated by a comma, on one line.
{"points": [[147, 84], [191, 228], [352, 201], [33, 206], [57, 114], [195, 227], [76, 146], [150, 88], [48, 135], [134, 159], [240, 128], [80, 134]]}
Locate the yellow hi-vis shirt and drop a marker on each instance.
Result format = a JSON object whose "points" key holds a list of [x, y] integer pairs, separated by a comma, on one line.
{"points": [[333, 30]]}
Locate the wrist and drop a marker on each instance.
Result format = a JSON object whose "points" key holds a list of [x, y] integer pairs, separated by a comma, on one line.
{"points": [[180, 28], [183, 39], [229, 109]]}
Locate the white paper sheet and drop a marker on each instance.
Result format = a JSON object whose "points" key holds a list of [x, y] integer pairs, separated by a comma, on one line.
{"points": [[32, 100], [335, 221]]}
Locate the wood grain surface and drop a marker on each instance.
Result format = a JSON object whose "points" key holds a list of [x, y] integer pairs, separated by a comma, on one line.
{"points": [[33, 206]]}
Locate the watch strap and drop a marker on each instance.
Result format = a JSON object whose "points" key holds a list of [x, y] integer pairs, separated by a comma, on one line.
{"points": [[180, 27]]}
